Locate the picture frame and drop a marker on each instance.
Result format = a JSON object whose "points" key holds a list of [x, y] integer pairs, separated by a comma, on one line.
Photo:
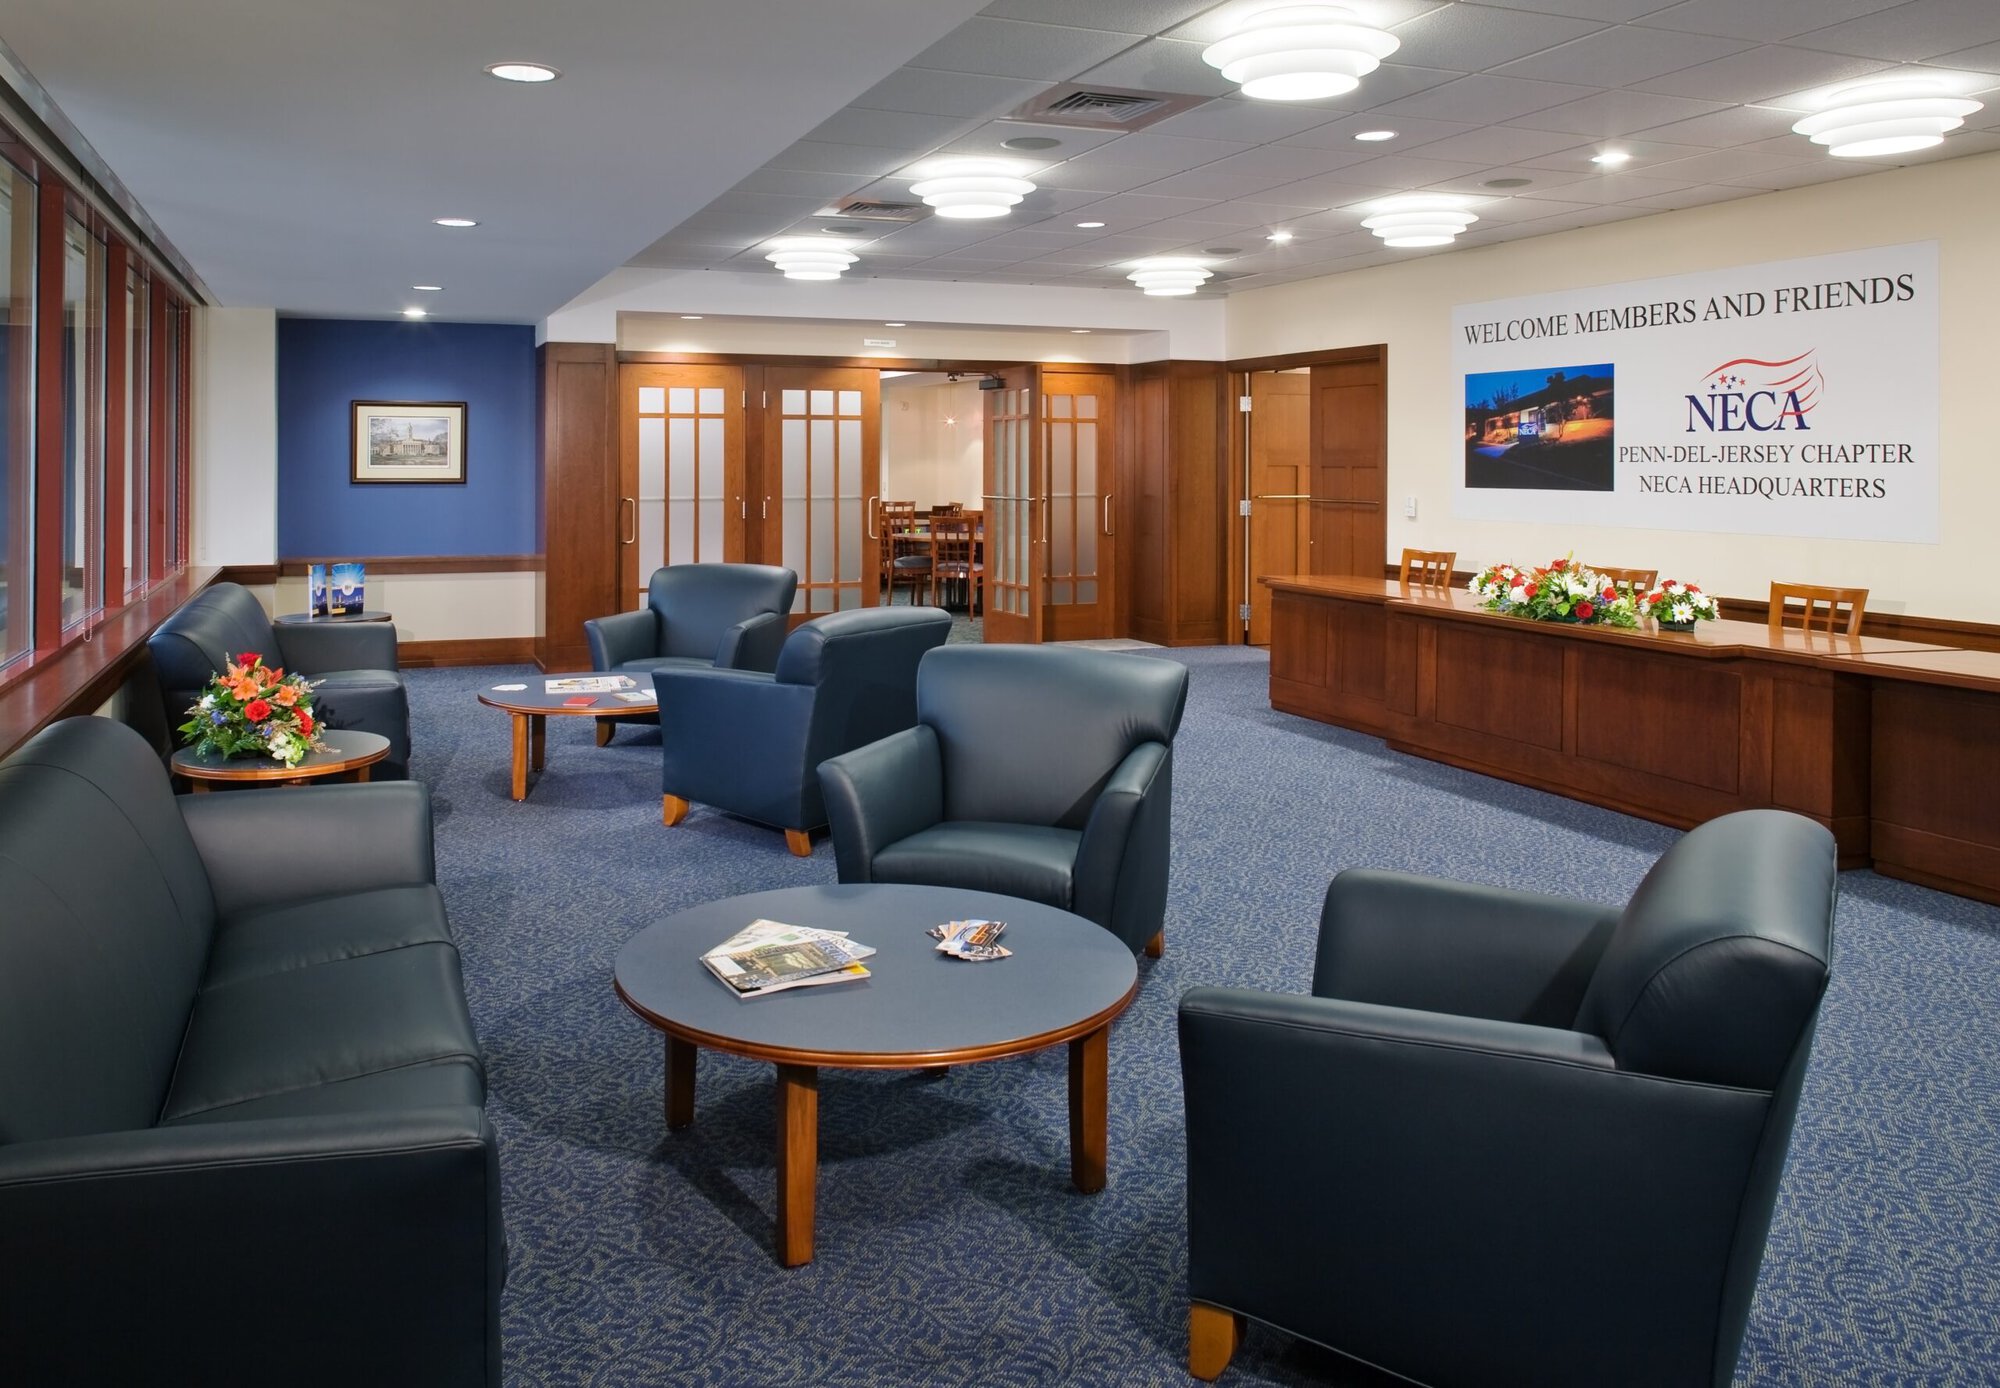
{"points": [[407, 441]]}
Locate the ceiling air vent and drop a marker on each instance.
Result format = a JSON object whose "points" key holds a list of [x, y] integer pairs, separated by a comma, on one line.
{"points": [[1102, 108], [869, 210]]}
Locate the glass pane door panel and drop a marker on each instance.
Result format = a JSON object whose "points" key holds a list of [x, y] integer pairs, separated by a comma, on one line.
{"points": [[824, 434], [680, 472]]}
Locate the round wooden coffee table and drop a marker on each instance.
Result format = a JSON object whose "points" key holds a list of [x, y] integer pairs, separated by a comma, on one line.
{"points": [[1068, 980], [348, 752], [533, 704]]}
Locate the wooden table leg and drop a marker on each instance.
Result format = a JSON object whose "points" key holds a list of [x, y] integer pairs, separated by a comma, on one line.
{"points": [[361, 774], [680, 1082], [199, 787], [605, 727], [520, 756], [538, 731], [798, 1161], [1089, 1064]]}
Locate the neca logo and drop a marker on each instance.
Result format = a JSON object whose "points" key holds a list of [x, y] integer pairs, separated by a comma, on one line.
{"points": [[1761, 396]]}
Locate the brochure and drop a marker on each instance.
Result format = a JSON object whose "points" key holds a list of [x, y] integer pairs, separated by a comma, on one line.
{"points": [[974, 940], [346, 590], [316, 590], [770, 956], [636, 696], [590, 684]]}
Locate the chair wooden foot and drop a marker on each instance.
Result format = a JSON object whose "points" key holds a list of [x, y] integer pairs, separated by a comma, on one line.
{"points": [[1156, 946], [673, 810], [605, 727], [800, 842], [1213, 1335]]}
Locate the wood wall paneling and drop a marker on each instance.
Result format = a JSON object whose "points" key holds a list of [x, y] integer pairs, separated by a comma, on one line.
{"points": [[577, 469]]}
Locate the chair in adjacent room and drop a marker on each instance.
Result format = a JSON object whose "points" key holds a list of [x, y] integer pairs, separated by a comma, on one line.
{"points": [[1811, 607], [909, 554], [751, 743], [356, 681], [1514, 1138], [1634, 583], [1428, 568], [955, 559], [1033, 771]]}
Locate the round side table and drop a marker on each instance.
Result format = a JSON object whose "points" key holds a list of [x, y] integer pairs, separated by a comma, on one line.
{"points": [[347, 753]]}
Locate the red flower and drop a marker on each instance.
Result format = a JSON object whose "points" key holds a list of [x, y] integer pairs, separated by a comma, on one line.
{"points": [[1584, 609], [1530, 589], [1653, 597], [305, 723], [257, 710], [248, 658]]}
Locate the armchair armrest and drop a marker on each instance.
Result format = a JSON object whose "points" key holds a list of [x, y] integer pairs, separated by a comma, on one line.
{"points": [[314, 650], [1421, 942], [734, 738], [222, 1250], [383, 830], [1121, 861], [752, 644], [878, 794], [621, 637], [1351, 1168]]}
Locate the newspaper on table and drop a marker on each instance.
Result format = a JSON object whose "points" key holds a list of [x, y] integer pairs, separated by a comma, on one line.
{"points": [[974, 940], [769, 956], [589, 684]]}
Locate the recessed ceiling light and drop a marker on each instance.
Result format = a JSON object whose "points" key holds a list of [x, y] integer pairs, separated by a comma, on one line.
{"points": [[1089, 226], [690, 317], [1611, 157], [522, 72], [1026, 142], [1079, 330], [1507, 182], [895, 325], [428, 288], [415, 313], [454, 221], [1373, 135], [1279, 236]]}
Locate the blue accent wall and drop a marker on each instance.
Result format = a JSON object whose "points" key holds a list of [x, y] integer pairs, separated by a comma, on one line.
{"points": [[325, 365]]}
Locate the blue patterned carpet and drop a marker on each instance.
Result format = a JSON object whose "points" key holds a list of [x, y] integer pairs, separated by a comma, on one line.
{"points": [[951, 1248]]}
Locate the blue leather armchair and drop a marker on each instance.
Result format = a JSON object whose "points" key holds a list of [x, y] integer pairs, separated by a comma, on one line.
{"points": [[727, 615], [1514, 1138], [1032, 771], [751, 743], [356, 683]]}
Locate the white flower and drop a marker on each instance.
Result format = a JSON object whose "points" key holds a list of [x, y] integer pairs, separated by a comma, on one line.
{"points": [[1517, 594], [207, 701], [1670, 587], [1683, 613]]}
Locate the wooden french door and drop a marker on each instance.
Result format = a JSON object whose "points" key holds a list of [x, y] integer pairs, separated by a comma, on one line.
{"points": [[1349, 431], [1079, 414], [820, 481], [1278, 530], [682, 489], [1016, 505]]}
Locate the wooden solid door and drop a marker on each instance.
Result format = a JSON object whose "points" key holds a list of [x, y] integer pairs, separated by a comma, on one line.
{"points": [[819, 482], [1349, 528], [1016, 506], [1278, 530], [1079, 416], [681, 493]]}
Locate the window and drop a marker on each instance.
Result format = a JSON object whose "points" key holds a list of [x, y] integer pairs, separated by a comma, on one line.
{"points": [[133, 432], [83, 423], [18, 201]]}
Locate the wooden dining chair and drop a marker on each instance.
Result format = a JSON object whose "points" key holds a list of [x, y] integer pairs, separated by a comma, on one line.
{"points": [[1430, 567], [955, 559], [1819, 608], [908, 547], [892, 518], [1633, 582]]}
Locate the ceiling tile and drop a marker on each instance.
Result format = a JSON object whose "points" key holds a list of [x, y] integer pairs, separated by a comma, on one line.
{"points": [[1985, 58], [1475, 184], [1621, 56], [1723, 129], [1238, 212], [1099, 173], [1161, 65], [1484, 99], [1643, 155], [1254, 122], [860, 160], [1726, 166], [889, 129], [751, 204], [1170, 153], [1387, 83], [1609, 11], [1123, 210], [798, 183], [1131, 16], [1922, 29], [1410, 133], [1768, 21], [1824, 169], [1699, 196], [1499, 144], [1609, 188], [1407, 171], [1010, 48], [1221, 20], [1328, 190], [1513, 210], [991, 138], [1759, 74], [1284, 163], [1210, 182], [928, 92], [1470, 38], [1616, 113]]}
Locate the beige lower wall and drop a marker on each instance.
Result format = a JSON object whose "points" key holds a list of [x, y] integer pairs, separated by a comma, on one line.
{"points": [[437, 607], [1955, 202]]}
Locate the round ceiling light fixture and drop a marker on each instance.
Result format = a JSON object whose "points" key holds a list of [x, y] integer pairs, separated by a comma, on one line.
{"points": [[1301, 52], [1088, 226], [802, 258], [1419, 219], [1612, 158], [429, 288], [1279, 237], [1165, 276], [971, 188], [1373, 136], [523, 72], [453, 222], [415, 313], [1886, 117]]}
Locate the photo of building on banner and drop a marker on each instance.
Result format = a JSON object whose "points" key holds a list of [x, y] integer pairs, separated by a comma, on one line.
{"points": [[1540, 429]]}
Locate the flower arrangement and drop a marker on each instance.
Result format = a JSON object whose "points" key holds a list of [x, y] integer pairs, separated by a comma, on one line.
{"points": [[1678, 606], [1562, 591], [250, 709]]}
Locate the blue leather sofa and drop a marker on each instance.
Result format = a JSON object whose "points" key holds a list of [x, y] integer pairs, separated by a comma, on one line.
{"points": [[1033, 771], [242, 1126], [356, 682], [1513, 1138], [751, 743]]}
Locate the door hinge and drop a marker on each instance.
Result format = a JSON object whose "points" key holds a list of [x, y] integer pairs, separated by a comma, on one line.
{"points": [[1243, 613], [1243, 403], [1243, 507]]}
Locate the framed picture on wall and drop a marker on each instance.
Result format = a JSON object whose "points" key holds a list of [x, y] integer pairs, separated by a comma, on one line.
{"points": [[408, 441]]}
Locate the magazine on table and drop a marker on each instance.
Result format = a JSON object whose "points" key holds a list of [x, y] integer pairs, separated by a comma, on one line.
{"points": [[590, 684], [770, 956], [636, 696], [347, 590]]}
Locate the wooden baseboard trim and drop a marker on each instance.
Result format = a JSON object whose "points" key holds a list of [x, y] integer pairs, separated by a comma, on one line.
{"points": [[249, 575], [485, 650]]}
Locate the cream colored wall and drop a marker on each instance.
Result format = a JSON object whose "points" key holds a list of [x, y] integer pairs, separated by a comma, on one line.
{"points": [[1408, 306], [439, 607], [924, 458]]}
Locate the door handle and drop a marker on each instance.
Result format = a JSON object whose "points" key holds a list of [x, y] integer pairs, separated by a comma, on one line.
{"points": [[872, 502], [1282, 496], [628, 529], [1107, 514], [742, 509], [764, 511]]}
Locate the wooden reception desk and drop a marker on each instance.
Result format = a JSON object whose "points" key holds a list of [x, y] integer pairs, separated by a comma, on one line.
{"points": [[1893, 745]]}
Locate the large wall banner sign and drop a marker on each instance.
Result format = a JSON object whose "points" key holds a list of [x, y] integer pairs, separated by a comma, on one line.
{"points": [[1798, 397]]}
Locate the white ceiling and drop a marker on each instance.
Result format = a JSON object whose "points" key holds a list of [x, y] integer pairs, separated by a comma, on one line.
{"points": [[295, 153]]}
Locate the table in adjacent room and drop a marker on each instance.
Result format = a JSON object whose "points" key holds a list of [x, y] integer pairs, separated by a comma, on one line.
{"points": [[1067, 981], [532, 704], [348, 753]]}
